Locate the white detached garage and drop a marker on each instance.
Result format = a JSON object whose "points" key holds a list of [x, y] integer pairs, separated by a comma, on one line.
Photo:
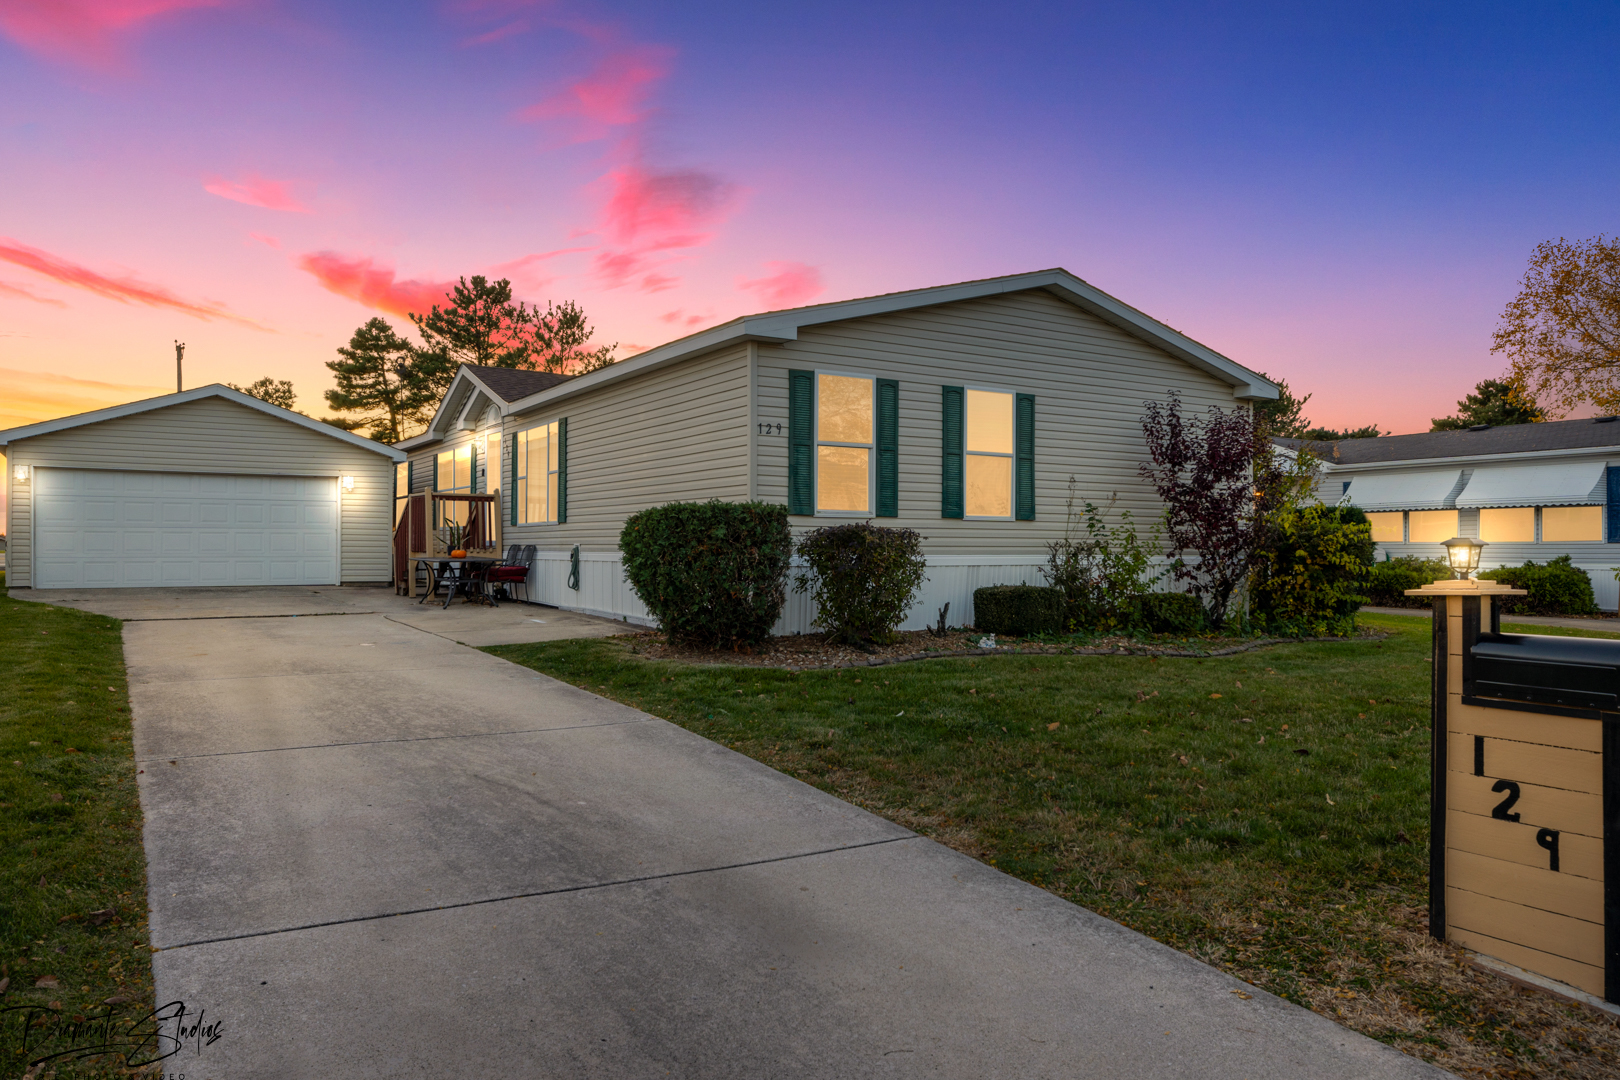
{"points": [[206, 487]]}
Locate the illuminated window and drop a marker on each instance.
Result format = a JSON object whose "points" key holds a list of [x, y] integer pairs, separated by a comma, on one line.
{"points": [[1571, 524], [402, 488], [1389, 528], [988, 466], [455, 476], [1431, 526], [844, 408], [1512, 525], [536, 460]]}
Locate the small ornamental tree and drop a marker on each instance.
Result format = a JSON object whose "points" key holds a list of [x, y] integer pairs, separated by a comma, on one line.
{"points": [[863, 579], [1220, 481], [1310, 576]]}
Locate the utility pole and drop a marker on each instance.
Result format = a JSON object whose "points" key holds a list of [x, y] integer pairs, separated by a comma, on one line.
{"points": [[179, 354]]}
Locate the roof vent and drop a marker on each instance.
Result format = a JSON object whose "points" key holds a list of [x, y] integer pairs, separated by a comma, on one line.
{"points": [[1480, 427], [1602, 419]]}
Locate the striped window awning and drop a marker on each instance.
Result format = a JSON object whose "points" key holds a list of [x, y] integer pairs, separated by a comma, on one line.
{"points": [[1412, 489], [1563, 484]]}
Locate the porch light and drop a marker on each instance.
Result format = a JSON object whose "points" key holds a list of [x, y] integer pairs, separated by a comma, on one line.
{"points": [[20, 473], [1463, 555], [348, 483]]}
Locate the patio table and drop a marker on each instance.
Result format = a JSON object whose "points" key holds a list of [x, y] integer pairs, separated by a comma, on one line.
{"points": [[460, 574]]}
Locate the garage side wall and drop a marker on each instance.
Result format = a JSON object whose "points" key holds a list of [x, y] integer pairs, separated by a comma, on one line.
{"points": [[217, 436]]}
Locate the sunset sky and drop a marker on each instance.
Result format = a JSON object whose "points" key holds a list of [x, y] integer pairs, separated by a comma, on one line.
{"points": [[1345, 199]]}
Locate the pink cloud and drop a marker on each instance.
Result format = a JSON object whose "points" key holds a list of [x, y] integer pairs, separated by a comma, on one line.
{"points": [[84, 31], [124, 290], [255, 191], [654, 283], [372, 284], [22, 293], [266, 239], [648, 212], [613, 95], [786, 284]]}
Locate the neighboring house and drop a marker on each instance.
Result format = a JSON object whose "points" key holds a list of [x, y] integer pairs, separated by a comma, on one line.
{"points": [[960, 411], [205, 487], [1530, 491]]}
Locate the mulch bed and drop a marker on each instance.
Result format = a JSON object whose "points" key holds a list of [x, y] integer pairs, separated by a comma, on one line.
{"points": [[797, 652]]}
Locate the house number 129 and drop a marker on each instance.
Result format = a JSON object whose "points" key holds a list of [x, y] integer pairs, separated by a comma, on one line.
{"points": [[770, 429]]}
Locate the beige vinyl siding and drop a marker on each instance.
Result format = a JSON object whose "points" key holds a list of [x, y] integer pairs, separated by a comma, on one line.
{"points": [[19, 525], [679, 433], [212, 435], [1089, 379]]}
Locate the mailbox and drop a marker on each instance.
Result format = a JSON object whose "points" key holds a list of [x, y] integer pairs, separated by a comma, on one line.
{"points": [[1525, 793]]}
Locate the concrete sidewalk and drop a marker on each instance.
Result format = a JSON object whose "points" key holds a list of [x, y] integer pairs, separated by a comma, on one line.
{"points": [[375, 853], [1605, 624]]}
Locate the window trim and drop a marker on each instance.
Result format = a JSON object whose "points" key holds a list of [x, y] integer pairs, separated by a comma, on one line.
{"points": [[1011, 456], [520, 476], [817, 442]]}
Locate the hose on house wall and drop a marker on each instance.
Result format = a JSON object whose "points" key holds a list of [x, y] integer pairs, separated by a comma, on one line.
{"points": [[573, 569]]}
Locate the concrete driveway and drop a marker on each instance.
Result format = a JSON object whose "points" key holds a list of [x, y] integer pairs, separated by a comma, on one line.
{"points": [[376, 853]]}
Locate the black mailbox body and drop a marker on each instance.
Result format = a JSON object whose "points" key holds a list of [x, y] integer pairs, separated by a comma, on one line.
{"points": [[1577, 673]]}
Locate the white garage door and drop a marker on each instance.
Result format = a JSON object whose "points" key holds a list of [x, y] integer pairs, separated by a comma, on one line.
{"points": [[132, 529]]}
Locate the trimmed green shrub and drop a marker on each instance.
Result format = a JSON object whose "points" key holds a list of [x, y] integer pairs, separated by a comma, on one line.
{"points": [[862, 578], [1310, 575], [1556, 588], [711, 573], [1389, 580], [1019, 610], [1169, 613]]}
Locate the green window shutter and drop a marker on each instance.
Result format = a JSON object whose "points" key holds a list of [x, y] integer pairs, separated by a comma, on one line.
{"points": [[562, 471], [1024, 458], [472, 466], [801, 442], [950, 481], [511, 441], [888, 448]]}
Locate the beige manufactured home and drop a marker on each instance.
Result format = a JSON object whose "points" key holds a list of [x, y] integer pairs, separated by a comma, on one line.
{"points": [[959, 411], [205, 487]]}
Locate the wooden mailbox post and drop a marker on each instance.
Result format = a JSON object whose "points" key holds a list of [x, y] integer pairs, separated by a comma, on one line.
{"points": [[1525, 795]]}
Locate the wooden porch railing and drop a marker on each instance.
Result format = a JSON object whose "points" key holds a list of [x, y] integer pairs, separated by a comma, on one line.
{"points": [[420, 532]]}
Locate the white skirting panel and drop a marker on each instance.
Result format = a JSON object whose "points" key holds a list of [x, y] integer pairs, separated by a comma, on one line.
{"points": [[604, 591]]}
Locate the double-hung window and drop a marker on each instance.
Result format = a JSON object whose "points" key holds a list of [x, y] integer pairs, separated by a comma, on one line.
{"points": [[402, 488], [536, 462], [454, 476], [844, 444], [988, 464]]}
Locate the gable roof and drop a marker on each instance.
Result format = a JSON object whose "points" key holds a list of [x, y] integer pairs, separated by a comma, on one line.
{"points": [[1550, 435], [784, 325], [133, 408], [510, 384]]}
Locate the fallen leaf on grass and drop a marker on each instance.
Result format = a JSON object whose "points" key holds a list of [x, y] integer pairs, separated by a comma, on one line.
{"points": [[1053, 726], [1245, 720], [116, 999], [55, 797], [4, 984], [1214, 695], [1329, 798], [98, 917], [47, 982], [1182, 758]]}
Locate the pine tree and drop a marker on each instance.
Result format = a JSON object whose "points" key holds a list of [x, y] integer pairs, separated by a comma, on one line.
{"points": [[482, 325], [275, 391], [382, 377]]}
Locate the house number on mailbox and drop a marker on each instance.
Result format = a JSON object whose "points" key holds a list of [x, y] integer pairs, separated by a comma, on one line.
{"points": [[1546, 839]]}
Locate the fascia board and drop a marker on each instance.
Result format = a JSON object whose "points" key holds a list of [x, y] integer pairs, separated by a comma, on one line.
{"points": [[135, 408], [784, 326], [1464, 461]]}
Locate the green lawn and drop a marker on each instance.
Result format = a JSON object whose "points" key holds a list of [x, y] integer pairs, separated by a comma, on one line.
{"points": [[70, 830], [1266, 812]]}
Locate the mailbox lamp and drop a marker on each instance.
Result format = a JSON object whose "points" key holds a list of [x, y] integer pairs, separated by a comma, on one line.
{"points": [[1463, 555]]}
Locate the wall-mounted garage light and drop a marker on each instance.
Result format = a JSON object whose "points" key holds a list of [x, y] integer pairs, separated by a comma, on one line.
{"points": [[20, 473], [348, 483]]}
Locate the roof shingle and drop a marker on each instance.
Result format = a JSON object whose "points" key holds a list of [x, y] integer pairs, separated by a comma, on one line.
{"points": [[1511, 439], [513, 383]]}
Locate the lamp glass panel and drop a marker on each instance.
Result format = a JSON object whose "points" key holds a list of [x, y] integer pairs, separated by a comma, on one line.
{"points": [[843, 479], [1571, 524], [1432, 526], [1508, 525], [843, 410], [1388, 527], [989, 486]]}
